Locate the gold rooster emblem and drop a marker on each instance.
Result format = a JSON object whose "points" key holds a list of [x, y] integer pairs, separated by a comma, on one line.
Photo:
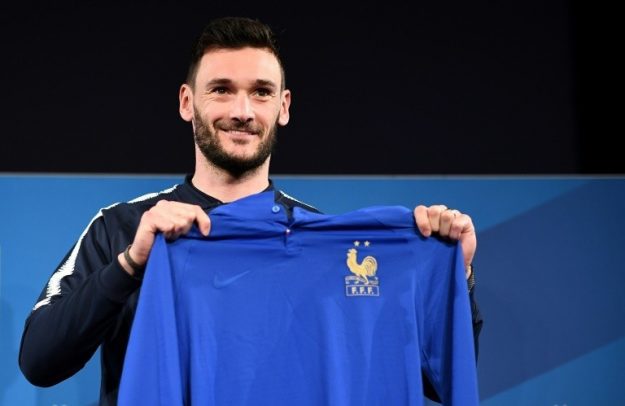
{"points": [[367, 267]]}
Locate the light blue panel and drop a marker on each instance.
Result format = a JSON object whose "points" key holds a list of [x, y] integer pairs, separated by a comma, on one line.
{"points": [[550, 285], [597, 378]]}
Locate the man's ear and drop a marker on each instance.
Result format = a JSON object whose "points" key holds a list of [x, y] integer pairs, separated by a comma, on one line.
{"points": [[285, 103], [185, 98]]}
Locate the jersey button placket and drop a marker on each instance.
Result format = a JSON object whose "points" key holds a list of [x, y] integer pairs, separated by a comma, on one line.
{"points": [[288, 231]]}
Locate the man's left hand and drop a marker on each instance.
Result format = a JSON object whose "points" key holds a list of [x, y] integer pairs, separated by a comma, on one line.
{"points": [[451, 224]]}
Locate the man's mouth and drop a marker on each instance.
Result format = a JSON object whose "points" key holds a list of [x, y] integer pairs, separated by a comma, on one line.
{"points": [[240, 133]]}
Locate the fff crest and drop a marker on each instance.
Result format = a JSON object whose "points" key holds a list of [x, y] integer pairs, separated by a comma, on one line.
{"points": [[362, 280]]}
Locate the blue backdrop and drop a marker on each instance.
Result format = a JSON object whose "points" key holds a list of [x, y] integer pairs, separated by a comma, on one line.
{"points": [[549, 272]]}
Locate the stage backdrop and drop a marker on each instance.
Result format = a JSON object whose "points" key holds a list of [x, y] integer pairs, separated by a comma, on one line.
{"points": [[550, 278]]}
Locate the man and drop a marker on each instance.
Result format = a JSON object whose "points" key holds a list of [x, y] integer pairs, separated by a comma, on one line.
{"points": [[234, 97]]}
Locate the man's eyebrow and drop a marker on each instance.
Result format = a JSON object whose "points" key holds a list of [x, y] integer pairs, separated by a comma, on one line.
{"points": [[218, 82], [228, 82], [265, 83]]}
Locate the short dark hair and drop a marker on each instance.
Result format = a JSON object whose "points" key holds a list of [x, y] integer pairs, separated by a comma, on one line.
{"points": [[233, 33]]}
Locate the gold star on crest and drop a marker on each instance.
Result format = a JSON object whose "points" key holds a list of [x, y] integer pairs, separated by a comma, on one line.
{"points": [[357, 243], [367, 243]]}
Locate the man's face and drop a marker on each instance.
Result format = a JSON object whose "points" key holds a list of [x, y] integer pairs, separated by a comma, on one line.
{"points": [[211, 145], [237, 106]]}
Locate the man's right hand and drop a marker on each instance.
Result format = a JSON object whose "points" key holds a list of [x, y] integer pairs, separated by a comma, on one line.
{"points": [[173, 219]]}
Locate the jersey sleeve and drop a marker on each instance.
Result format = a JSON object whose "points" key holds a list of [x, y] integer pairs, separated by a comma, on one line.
{"points": [[76, 309], [447, 339], [153, 348]]}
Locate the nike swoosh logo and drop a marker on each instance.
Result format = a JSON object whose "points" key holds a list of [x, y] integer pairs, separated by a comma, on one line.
{"points": [[221, 282]]}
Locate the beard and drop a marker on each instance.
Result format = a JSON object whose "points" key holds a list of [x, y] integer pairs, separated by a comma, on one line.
{"points": [[211, 147]]}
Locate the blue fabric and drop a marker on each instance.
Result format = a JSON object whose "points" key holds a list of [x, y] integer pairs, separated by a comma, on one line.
{"points": [[266, 311]]}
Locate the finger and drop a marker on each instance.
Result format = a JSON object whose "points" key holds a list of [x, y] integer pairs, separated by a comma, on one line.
{"points": [[165, 219], [181, 225], [203, 221], [182, 216], [467, 238], [177, 210], [460, 223], [422, 220], [434, 215], [190, 214], [169, 225], [447, 218]]}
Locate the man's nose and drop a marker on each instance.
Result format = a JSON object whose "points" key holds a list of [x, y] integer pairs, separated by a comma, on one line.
{"points": [[242, 108]]}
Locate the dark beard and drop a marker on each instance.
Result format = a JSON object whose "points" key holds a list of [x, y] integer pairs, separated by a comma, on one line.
{"points": [[210, 146]]}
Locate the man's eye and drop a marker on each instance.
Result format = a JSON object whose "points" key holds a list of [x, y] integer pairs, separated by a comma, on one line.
{"points": [[220, 90], [263, 92]]}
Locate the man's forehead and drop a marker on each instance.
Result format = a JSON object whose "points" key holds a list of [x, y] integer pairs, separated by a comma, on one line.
{"points": [[244, 59], [240, 67]]}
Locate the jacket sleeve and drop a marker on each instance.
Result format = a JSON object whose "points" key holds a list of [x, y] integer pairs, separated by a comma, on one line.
{"points": [[476, 321], [76, 309]]}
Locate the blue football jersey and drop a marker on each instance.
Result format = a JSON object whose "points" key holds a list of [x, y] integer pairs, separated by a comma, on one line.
{"points": [[308, 309]]}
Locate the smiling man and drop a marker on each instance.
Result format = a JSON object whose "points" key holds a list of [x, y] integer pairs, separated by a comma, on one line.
{"points": [[235, 101], [235, 98]]}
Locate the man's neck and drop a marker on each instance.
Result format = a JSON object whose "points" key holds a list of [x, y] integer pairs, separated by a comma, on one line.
{"points": [[223, 186]]}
